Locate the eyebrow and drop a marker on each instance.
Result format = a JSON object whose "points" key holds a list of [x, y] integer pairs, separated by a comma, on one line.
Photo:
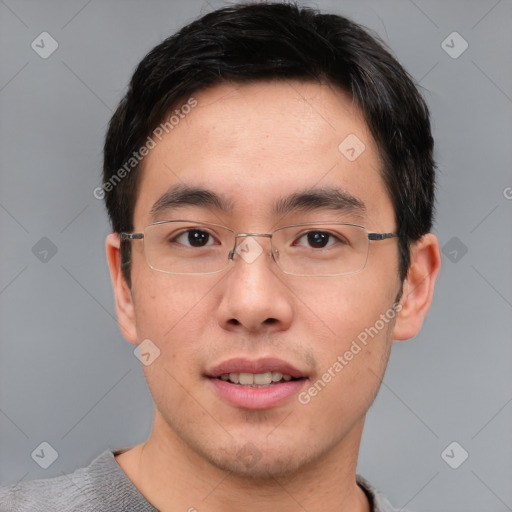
{"points": [[181, 195], [312, 199], [320, 199]]}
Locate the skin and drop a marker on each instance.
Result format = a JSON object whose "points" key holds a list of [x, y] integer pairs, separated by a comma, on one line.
{"points": [[254, 144]]}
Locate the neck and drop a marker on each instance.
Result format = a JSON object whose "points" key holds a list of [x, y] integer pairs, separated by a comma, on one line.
{"points": [[173, 477]]}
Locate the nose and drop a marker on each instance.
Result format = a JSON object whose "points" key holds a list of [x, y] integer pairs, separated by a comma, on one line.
{"points": [[255, 297]]}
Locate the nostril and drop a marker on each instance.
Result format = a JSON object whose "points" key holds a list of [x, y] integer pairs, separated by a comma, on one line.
{"points": [[270, 321], [234, 321]]}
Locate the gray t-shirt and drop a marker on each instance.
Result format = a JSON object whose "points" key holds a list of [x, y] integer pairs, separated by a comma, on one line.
{"points": [[104, 487]]}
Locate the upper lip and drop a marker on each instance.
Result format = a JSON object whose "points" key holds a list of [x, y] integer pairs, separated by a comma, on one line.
{"points": [[263, 365]]}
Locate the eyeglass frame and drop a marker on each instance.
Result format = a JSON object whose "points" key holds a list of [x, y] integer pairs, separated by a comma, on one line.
{"points": [[372, 237]]}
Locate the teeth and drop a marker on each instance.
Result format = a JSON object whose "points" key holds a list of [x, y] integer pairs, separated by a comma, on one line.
{"points": [[245, 379], [255, 379], [263, 378], [276, 376]]}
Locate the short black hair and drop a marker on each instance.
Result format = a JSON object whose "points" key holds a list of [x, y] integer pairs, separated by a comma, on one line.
{"points": [[252, 42]]}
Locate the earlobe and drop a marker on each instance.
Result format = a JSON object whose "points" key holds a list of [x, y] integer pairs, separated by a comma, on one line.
{"points": [[122, 293], [418, 287]]}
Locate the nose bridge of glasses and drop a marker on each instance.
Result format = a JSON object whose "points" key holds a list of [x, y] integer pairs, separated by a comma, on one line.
{"points": [[248, 236], [266, 235]]}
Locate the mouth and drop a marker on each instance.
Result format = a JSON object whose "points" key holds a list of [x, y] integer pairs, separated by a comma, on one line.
{"points": [[257, 380], [259, 372], [258, 384]]}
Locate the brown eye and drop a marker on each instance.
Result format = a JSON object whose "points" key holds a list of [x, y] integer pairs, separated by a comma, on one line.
{"points": [[194, 238], [318, 239]]}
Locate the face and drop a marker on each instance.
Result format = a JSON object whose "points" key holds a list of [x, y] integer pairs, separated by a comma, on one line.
{"points": [[253, 147]]}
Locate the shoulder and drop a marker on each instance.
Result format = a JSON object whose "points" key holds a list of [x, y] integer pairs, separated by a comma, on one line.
{"points": [[100, 487], [378, 502]]}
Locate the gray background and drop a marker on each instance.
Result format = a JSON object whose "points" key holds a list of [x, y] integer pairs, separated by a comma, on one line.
{"points": [[68, 377]]}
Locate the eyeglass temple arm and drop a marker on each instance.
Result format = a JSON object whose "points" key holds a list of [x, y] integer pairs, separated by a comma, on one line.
{"points": [[371, 236], [381, 236], [131, 236]]}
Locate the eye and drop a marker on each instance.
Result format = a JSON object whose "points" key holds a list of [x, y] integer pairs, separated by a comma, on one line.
{"points": [[194, 238], [317, 239]]}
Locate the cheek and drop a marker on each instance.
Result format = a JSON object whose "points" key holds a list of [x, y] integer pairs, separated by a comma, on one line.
{"points": [[350, 331], [168, 306], [173, 314], [340, 308], [351, 368]]}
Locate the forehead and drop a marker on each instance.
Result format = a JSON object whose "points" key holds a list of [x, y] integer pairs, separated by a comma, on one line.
{"points": [[255, 144]]}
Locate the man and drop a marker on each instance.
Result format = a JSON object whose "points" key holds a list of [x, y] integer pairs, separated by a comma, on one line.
{"points": [[270, 182]]}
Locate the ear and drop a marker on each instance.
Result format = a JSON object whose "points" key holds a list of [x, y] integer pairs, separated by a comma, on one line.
{"points": [[418, 287], [123, 295]]}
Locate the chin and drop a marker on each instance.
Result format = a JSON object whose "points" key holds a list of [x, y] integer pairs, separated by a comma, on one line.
{"points": [[252, 458], [250, 463]]}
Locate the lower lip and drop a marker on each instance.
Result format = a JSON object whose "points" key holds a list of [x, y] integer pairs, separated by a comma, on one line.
{"points": [[246, 397]]}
